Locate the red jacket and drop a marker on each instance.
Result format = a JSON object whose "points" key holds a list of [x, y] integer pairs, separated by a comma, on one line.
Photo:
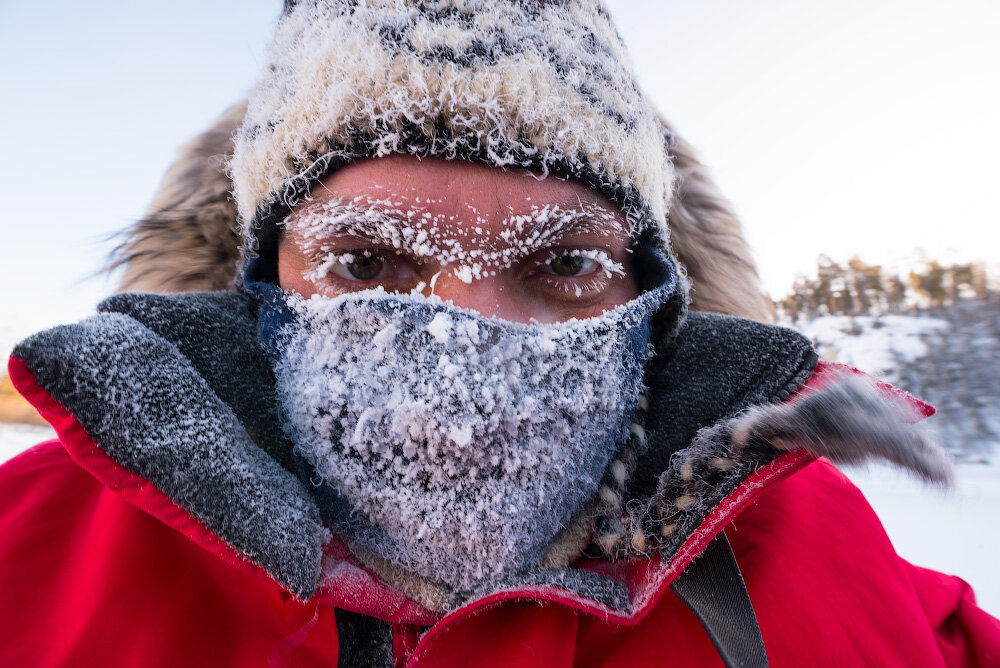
{"points": [[99, 566]]}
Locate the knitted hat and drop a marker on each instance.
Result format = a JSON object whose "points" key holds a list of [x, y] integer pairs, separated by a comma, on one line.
{"points": [[543, 85]]}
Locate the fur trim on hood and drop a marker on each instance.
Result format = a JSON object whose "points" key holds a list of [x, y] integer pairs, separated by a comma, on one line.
{"points": [[188, 239]]}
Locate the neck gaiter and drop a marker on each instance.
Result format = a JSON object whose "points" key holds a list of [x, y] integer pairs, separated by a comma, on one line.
{"points": [[452, 445]]}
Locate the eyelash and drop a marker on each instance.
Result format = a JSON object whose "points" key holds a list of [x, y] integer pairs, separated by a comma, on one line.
{"points": [[324, 260], [573, 286], [601, 257]]}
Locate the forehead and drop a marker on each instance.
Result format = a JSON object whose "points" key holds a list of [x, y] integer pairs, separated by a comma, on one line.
{"points": [[468, 195]]}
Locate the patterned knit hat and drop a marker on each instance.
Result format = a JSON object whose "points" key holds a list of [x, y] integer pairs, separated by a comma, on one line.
{"points": [[538, 84]]}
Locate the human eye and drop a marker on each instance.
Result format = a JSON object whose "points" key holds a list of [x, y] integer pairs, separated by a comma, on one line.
{"points": [[574, 275], [581, 262], [364, 265], [341, 270]]}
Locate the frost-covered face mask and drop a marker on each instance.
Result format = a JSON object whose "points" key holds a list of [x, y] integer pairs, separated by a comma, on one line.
{"points": [[449, 444]]}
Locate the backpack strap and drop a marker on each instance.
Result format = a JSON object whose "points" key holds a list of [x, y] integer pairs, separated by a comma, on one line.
{"points": [[713, 588]]}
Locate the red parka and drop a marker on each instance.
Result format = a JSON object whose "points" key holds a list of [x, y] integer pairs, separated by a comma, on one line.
{"points": [[99, 567]]}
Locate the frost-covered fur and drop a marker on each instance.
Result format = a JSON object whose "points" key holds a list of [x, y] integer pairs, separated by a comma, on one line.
{"points": [[188, 242], [545, 85], [848, 420], [462, 445]]}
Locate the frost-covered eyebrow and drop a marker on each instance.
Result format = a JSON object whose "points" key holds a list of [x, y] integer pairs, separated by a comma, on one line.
{"points": [[553, 222], [470, 249], [388, 223]]}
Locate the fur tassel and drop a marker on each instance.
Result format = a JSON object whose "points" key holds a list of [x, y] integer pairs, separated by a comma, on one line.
{"points": [[848, 422]]}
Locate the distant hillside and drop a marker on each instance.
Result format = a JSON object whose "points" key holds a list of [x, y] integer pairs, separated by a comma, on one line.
{"points": [[949, 356]]}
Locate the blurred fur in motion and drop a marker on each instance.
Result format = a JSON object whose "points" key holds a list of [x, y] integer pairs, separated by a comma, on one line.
{"points": [[848, 422], [187, 241]]}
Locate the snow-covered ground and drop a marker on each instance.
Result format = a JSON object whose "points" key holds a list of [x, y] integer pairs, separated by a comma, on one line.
{"points": [[954, 532], [875, 344], [15, 438]]}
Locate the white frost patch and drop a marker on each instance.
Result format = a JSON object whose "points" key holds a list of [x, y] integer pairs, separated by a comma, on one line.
{"points": [[480, 436], [461, 436], [464, 273], [874, 344], [440, 327], [16, 438]]}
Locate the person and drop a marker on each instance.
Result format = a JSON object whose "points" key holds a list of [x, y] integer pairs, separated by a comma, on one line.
{"points": [[459, 379]]}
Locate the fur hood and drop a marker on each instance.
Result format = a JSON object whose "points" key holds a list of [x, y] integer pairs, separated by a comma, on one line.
{"points": [[188, 239]]}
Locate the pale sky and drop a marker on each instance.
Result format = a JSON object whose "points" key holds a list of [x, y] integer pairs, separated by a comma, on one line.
{"points": [[858, 127]]}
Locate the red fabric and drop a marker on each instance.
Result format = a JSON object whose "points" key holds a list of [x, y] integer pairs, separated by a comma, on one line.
{"points": [[404, 640], [93, 574], [87, 579], [135, 489], [966, 635]]}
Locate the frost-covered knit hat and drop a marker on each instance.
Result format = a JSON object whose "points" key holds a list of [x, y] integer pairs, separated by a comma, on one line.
{"points": [[538, 84]]}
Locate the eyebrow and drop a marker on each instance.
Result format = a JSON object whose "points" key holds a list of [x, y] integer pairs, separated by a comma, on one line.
{"points": [[385, 223], [338, 217], [556, 221]]}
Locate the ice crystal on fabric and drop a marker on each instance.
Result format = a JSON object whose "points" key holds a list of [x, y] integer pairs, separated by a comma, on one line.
{"points": [[464, 443]]}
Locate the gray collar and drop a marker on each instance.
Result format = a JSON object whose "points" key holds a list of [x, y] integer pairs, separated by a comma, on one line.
{"points": [[175, 389]]}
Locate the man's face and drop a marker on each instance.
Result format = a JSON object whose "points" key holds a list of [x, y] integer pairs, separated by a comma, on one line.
{"points": [[504, 243]]}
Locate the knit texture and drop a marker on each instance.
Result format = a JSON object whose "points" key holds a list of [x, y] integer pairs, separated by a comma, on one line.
{"points": [[540, 85], [763, 364], [363, 641]]}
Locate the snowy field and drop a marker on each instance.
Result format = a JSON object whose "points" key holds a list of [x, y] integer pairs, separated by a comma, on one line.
{"points": [[952, 532], [15, 438], [877, 345]]}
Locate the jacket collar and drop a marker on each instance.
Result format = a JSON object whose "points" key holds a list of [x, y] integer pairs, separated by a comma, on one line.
{"points": [[174, 389]]}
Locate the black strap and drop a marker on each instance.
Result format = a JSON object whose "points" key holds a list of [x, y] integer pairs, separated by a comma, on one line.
{"points": [[713, 588]]}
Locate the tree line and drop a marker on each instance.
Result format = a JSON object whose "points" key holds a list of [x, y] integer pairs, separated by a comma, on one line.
{"points": [[858, 288]]}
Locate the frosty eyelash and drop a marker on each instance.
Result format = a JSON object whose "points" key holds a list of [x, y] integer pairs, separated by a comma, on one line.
{"points": [[320, 268], [577, 288], [324, 260], [608, 265]]}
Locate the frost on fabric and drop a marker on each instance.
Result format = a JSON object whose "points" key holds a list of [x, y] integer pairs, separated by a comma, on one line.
{"points": [[465, 443], [534, 85]]}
